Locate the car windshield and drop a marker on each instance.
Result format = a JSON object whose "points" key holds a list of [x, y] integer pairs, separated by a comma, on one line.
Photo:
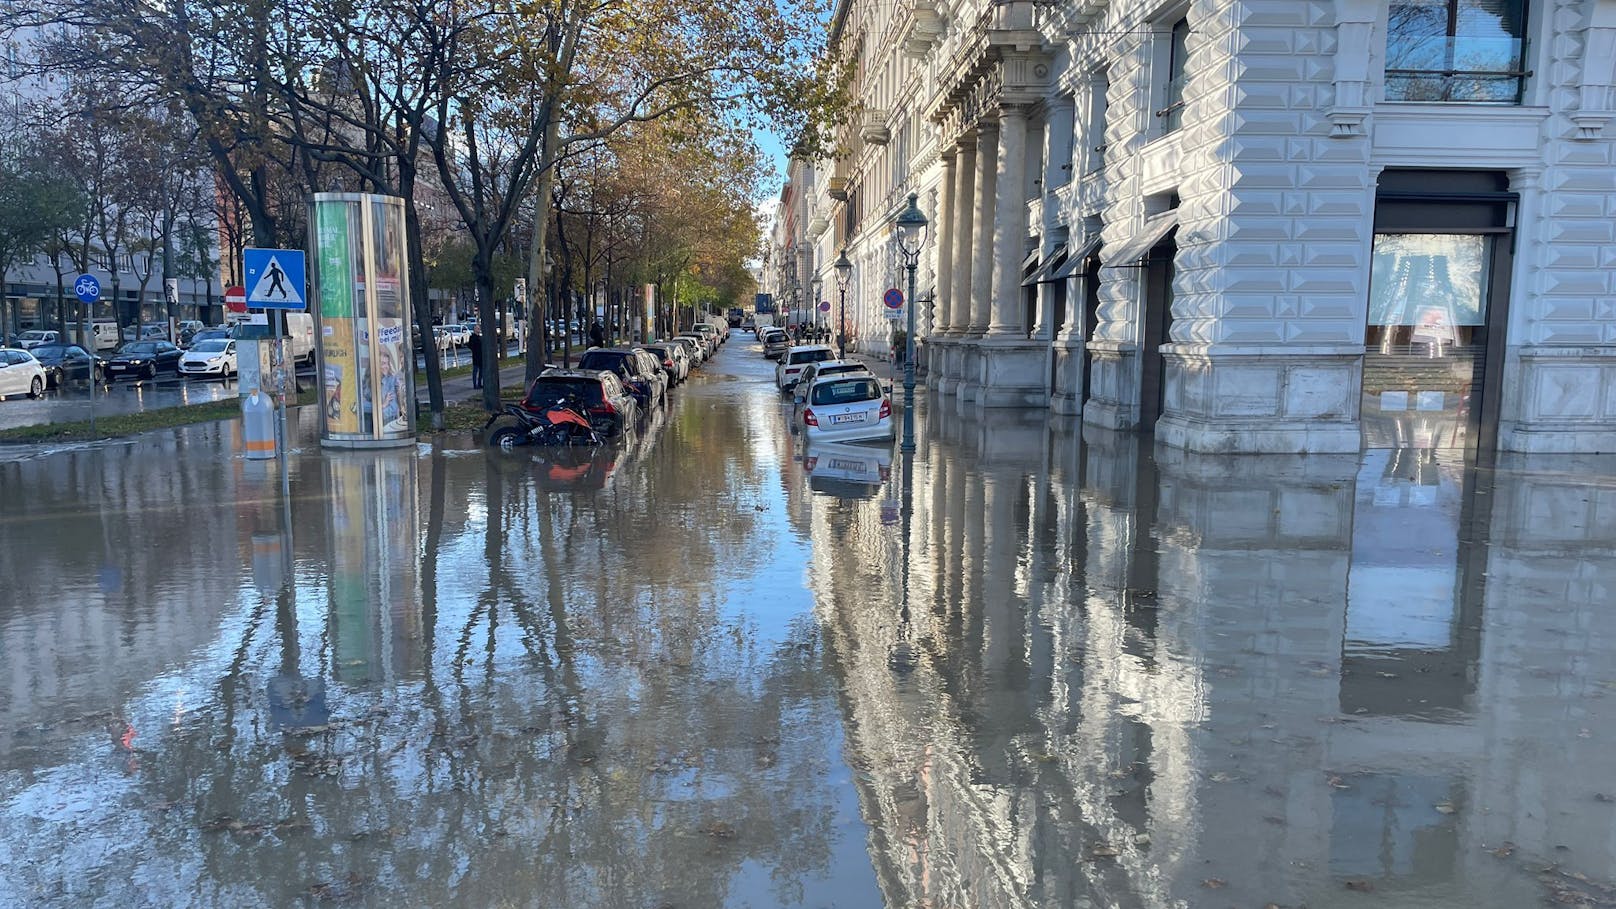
{"points": [[604, 359], [847, 391], [216, 345], [659, 352], [823, 371], [809, 356], [548, 390], [34, 335], [144, 347], [49, 351]]}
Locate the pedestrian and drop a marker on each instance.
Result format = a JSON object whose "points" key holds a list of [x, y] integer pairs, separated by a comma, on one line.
{"points": [[597, 335], [476, 359]]}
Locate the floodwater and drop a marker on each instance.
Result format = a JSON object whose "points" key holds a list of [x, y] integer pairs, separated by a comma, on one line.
{"points": [[709, 667]]}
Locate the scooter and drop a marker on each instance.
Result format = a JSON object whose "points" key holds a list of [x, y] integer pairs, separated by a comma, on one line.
{"points": [[561, 424]]}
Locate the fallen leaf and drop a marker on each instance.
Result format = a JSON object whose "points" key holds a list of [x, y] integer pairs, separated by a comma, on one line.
{"points": [[1445, 808], [1504, 851], [1361, 886], [1212, 883]]}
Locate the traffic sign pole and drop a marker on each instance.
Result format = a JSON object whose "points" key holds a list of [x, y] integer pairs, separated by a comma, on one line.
{"points": [[88, 290]]}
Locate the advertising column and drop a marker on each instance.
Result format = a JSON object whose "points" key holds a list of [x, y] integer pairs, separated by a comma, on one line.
{"points": [[362, 303]]}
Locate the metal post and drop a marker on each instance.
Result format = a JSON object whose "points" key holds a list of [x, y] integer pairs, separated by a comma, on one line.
{"points": [[282, 433], [909, 365], [841, 325]]}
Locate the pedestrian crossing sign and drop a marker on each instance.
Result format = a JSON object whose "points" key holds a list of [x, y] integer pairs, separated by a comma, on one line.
{"points": [[274, 279]]}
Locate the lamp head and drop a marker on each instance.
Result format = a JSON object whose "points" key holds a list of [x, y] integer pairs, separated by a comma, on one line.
{"points": [[844, 269], [910, 226]]}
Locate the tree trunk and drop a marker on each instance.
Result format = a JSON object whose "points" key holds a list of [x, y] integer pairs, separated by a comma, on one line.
{"points": [[482, 268], [419, 302]]}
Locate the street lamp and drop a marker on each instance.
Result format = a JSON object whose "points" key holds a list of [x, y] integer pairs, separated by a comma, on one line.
{"points": [[844, 274], [909, 228]]}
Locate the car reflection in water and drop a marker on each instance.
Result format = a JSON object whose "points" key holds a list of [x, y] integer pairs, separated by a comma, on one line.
{"points": [[848, 470]]}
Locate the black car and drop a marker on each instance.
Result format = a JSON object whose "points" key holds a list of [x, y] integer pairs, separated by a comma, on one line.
{"points": [[144, 359], [610, 404], [69, 363], [637, 369]]}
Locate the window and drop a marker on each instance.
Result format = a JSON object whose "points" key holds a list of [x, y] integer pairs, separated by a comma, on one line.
{"points": [[1172, 109], [1093, 138], [1455, 50]]}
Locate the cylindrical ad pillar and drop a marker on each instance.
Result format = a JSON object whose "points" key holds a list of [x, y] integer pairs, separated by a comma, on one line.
{"points": [[361, 296]]}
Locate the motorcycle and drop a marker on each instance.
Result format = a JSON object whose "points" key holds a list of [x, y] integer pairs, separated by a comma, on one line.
{"points": [[563, 423]]}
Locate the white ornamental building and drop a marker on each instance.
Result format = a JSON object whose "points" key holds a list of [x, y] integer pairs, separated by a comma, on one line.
{"points": [[1244, 225]]}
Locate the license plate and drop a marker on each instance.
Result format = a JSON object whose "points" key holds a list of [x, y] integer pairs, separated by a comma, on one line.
{"points": [[116, 368], [848, 418]]}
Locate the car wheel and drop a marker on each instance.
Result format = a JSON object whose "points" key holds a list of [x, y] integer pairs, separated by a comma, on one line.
{"points": [[150, 372], [36, 388]]}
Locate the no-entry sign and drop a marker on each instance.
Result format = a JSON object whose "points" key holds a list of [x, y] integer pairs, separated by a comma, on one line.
{"points": [[235, 298]]}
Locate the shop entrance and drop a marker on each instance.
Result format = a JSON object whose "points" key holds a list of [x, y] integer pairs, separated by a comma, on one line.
{"points": [[1438, 303]]}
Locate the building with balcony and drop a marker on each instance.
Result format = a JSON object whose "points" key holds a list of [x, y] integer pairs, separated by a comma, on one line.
{"points": [[1254, 226]]}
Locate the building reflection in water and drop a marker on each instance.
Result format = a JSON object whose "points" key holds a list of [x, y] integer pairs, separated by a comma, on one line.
{"points": [[1291, 680]]}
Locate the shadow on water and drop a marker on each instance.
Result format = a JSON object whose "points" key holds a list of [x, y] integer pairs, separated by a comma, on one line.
{"points": [[1031, 665]]}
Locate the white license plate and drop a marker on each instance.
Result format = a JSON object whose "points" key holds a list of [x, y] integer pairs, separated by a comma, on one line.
{"points": [[848, 418]]}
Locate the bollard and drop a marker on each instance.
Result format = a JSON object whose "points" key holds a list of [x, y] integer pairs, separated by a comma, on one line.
{"points": [[258, 425]]}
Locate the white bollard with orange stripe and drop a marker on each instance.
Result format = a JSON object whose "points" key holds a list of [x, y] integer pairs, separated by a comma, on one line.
{"points": [[258, 426]]}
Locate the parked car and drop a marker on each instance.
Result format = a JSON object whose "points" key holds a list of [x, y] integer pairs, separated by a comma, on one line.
{"points": [[210, 358], [211, 334], [694, 347], [459, 335], [69, 363], [29, 340], [846, 408], [675, 361], [638, 370], [144, 359], [601, 394], [20, 374], [775, 343], [148, 332], [821, 370], [103, 335], [187, 329], [710, 332], [791, 365]]}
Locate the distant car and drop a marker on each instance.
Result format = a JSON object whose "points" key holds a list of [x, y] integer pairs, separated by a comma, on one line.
{"points": [[210, 358], [147, 332], [711, 333], [144, 359], [210, 334], [20, 374], [460, 335], [846, 408], [187, 329], [791, 365], [603, 397], [675, 361], [29, 340], [775, 343], [698, 348], [68, 363]]}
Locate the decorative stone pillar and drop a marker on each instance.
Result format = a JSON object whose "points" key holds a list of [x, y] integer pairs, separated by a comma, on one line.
{"points": [[945, 247], [1005, 318], [964, 238], [987, 181], [981, 254]]}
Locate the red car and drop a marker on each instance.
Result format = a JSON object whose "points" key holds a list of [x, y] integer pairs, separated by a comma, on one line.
{"points": [[608, 403]]}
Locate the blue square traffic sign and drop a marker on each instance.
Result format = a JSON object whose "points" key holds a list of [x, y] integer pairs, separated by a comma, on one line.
{"points": [[274, 279]]}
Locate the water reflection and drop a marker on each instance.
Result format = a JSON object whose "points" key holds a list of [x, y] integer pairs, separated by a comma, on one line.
{"points": [[1288, 680]]}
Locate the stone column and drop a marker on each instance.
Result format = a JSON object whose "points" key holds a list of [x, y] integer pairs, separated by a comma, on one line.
{"points": [[1058, 168], [987, 181], [1009, 225], [959, 311], [945, 247]]}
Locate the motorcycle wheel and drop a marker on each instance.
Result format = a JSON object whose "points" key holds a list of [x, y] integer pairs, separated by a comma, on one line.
{"points": [[505, 438]]}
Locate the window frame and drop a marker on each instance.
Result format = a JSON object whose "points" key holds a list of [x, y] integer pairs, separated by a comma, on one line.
{"points": [[1447, 78]]}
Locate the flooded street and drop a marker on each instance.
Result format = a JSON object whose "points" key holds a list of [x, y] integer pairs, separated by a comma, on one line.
{"points": [[1034, 665]]}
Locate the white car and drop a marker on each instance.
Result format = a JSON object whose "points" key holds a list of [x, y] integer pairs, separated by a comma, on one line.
{"points": [[148, 332], [21, 374], [791, 364], [846, 408], [823, 369], [29, 340], [216, 357]]}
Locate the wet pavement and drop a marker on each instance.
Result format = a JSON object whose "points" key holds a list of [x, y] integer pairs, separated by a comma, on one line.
{"points": [[77, 401], [710, 667]]}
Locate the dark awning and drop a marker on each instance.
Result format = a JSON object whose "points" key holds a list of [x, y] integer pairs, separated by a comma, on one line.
{"points": [[1063, 265], [1130, 253]]}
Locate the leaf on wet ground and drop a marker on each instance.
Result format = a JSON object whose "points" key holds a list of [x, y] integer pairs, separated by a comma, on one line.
{"points": [[719, 830], [1337, 782], [350, 888], [1444, 808], [1213, 883], [1504, 850], [1360, 886]]}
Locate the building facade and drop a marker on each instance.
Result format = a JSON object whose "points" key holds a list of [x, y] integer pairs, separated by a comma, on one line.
{"points": [[1246, 225]]}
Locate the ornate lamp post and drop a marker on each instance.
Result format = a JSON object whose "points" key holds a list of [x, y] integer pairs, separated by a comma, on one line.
{"points": [[844, 274], [909, 228]]}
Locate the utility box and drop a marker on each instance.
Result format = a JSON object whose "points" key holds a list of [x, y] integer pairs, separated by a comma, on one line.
{"points": [[360, 291]]}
